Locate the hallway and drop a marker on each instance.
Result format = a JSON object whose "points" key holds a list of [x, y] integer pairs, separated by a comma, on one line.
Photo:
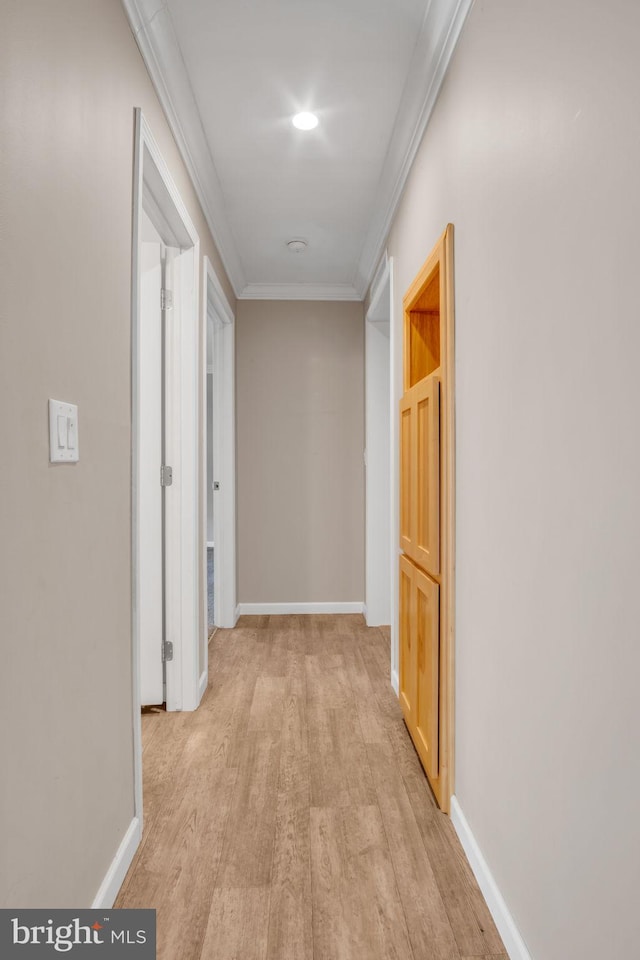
{"points": [[289, 818]]}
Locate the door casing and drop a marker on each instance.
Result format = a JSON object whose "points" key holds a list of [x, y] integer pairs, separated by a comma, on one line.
{"points": [[218, 319], [154, 191]]}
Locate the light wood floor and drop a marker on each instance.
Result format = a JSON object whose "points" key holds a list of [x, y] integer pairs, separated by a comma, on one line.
{"points": [[289, 819]]}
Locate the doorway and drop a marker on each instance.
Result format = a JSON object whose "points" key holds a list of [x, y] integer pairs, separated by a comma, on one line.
{"points": [[381, 524], [219, 479], [166, 425], [155, 266]]}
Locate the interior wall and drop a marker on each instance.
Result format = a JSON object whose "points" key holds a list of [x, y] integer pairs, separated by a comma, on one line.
{"points": [[300, 441], [533, 153], [70, 77]]}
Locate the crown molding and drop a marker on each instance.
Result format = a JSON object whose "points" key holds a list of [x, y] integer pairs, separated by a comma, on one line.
{"points": [[439, 34], [154, 33], [299, 291], [378, 311]]}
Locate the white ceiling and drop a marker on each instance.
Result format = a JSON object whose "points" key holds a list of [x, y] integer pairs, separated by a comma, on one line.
{"points": [[232, 73]]}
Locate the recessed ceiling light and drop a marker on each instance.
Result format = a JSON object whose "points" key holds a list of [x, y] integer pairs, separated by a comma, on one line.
{"points": [[305, 121], [297, 246]]}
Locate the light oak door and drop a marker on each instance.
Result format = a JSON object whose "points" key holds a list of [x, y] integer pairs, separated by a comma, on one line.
{"points": [[427, 684], [420, 474]]}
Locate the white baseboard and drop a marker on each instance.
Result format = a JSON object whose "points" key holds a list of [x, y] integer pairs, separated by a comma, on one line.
{"points": [[395, 682], [106, 895], [202, 684], [513, 942], [253, 609]]}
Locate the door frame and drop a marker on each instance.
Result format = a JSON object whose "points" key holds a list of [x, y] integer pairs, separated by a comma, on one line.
{"points": [[217, 311], [377, 342], [381, 311], [155, 191]]}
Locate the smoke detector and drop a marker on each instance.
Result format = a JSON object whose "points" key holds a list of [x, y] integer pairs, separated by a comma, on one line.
{"points": [[297, 246]]}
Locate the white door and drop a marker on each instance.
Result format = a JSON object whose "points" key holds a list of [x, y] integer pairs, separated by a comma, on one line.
{"points": [[151, 599]]}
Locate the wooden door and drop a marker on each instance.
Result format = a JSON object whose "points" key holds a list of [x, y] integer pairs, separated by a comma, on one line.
{"points": [[426, 644], [407, 645]]}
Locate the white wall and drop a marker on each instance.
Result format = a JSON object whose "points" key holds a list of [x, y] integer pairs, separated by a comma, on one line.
{"points": [[300, 423], [533, 152]]}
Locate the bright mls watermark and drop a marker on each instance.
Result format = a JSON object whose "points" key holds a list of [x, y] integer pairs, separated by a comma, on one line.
{"points": [[27, 934]]}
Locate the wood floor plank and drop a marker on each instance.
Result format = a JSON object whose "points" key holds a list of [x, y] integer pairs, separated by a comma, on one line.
{"points": [[248, 849], [238, 925], [268, 703], [328, 726], [327, 680], [294, 750], [290, 905], [341, 777], [356, 908]]}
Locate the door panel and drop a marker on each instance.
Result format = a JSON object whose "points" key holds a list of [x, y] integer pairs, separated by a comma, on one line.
{"points": [[427, 654], [407, 652], [406, 473], [426, 476]]}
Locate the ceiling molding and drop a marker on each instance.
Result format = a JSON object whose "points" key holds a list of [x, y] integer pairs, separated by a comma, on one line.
{"points": [[379, 306], [299, 291], [434, 48], [380, 277], [153, 30]]}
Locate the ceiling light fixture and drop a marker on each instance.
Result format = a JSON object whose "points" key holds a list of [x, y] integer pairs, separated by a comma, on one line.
{"points": [[305, 121], [297, 246]]}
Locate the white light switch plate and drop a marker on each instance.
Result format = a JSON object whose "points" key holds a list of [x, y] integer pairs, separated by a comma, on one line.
{"points": [[63, 432]]}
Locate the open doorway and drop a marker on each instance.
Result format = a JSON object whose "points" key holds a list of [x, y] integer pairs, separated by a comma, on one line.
{"points": [[156, 292], [382, 383], [165, 351], [218, 482]]}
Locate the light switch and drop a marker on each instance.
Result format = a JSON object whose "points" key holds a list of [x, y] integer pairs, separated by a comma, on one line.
{"points": [[63, 432]]}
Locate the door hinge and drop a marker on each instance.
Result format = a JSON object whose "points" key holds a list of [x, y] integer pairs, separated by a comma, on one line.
{"points": [[167, 650], [166, 299], [166, 476]]}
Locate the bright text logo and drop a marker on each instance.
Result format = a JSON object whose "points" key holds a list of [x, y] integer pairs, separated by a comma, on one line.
{"points": [[29, 934]]}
